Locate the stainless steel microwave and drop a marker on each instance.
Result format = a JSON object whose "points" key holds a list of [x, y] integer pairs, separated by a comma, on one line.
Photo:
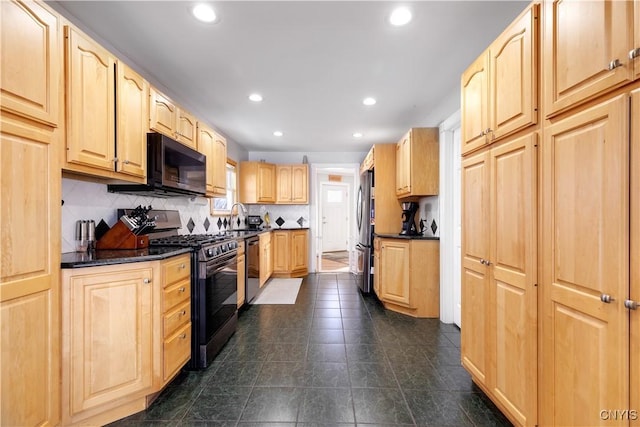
{"points": [[173, 169]]}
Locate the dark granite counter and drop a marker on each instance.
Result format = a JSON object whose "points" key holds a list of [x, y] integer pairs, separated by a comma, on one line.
{"points": [[402, 236], [110, 257]]}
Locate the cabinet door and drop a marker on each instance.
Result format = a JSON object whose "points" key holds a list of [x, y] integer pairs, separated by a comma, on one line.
{"points": [[475, 250], [109, 338], [376, 268], [394, 272], [162, 113], [283, 182], [636, 39], [634, 294], [281, 253], [513, 97], [475, 104], [585, 254], [300, 184], [299, 245], [242, 273], [186, 128], [219, 165], [131, 144], [29, 273], [266, 183], [403, 166], [90, 81], [30, 61], [582, 38], [206, 138], [513, 293]]}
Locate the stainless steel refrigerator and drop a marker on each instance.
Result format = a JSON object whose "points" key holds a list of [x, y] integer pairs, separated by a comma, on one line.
{"points": [[364, 247]]}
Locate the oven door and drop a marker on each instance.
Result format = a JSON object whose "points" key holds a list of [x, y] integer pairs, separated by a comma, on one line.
{"points": [[219, 295]]}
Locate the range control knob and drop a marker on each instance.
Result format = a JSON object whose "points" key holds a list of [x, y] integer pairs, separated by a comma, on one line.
{"points": [[209, 252]]}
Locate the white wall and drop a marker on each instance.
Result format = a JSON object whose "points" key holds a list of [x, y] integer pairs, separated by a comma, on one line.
{"points": [[312, 157]]}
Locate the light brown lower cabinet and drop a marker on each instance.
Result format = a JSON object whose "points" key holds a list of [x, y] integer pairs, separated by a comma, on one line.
{"points": [[407, 275], [266, 257], [290, 252], [126, 332], [242, 277]]}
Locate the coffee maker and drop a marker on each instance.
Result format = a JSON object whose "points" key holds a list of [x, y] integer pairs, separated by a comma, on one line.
{"points": [[409, 210]]}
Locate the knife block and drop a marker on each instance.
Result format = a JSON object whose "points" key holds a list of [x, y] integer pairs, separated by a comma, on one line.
{"points": [[120, 237]]}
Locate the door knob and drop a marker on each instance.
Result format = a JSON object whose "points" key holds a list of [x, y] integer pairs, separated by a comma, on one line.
{"points": [[631, 304], [614, 64], [606, 298]]}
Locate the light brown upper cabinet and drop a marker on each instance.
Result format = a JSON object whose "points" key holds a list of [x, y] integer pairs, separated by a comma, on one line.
{"points": [[169, 119], [588, 45], [131, 122], [417, 159], [93, 115], [635, 52], [499, 89], [292, 184], [30, 62], [214, 146], [257, 182]]}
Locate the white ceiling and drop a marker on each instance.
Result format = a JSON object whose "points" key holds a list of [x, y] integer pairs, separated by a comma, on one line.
{"points": [[312, 61]]}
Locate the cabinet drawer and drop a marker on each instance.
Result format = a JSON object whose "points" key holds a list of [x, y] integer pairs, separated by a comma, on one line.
{"points": [[176, 318], [176, 293], [177, 350], [176, 269]]}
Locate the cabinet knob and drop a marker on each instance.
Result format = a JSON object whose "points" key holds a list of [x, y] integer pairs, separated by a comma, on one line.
{"points": [[634, 53], [181, 289], [115, 160], [146, 280], [481, 133], [614, 64], [485, 261], [183, 312], [631, 304], [182, 336], [126, 162], [183, 266], [606, 298]]}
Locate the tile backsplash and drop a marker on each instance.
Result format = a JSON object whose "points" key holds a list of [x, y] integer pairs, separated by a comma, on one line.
{"points": [[91, 200], [429, 213]]}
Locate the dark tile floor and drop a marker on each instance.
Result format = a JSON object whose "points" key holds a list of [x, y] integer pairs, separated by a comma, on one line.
{"points": [[335, 358]]}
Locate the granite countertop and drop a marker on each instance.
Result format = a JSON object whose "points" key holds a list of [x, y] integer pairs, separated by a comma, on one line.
{"points": [[110, 257], [405, 237]]}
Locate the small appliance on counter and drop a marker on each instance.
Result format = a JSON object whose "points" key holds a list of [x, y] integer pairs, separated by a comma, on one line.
{"points": [[254, 222], [130, 232], [409, 210], [85, 235]]}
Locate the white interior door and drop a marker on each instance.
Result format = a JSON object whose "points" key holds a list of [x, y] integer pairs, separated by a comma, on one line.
{"points": [[334, 217], [457, 233]]}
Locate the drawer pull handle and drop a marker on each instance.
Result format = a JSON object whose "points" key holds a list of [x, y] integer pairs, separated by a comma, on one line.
{"points": [[183, 266], [183, 312], [183, 336], [614, 64], [146, 280], [181, 289], [634, 53], [631, 304]]}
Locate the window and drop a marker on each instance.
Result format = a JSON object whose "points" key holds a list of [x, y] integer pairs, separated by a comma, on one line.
{"points": [[222, 205]]}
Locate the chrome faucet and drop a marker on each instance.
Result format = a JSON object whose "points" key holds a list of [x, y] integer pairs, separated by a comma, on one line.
{"points": [[244, 212]]}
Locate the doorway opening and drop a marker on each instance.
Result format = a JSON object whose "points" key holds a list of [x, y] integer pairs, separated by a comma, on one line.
{"points": [[335, 217]]}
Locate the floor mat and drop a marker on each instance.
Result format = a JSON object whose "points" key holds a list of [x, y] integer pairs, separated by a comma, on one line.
{"points": [[278, 291]]}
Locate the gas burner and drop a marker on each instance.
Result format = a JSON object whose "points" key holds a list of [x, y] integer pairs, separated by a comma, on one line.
{"points": [[189, 240]]}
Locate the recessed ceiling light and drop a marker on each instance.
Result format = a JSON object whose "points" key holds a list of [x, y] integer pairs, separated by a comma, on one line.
{"points": [[277, 133], [255, 97], [357, 135], [400, 16], [369, 101], [203, 12]]}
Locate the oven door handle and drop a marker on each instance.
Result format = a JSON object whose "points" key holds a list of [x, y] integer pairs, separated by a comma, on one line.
{"points": [[223, 261]]}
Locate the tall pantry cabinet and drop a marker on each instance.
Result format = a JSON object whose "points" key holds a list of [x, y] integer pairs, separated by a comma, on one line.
{"points": [[565, 219], [30, 140], [499, 224]]}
